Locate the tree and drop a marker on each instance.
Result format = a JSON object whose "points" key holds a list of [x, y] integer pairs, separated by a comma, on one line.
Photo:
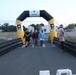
{"points": [[42, 24], [75, 24], [33, 25], [71, 26], [8, 28], [38, 26], [6, 24]]}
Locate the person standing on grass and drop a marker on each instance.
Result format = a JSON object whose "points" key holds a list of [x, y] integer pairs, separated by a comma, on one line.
{"points": [[61, 37]]}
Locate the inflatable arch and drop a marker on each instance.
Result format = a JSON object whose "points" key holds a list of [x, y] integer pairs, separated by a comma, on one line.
{"points": [[35, 13]]}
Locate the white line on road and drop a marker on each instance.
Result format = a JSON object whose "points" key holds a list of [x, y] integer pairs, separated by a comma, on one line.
{"points": [[44, 72]]}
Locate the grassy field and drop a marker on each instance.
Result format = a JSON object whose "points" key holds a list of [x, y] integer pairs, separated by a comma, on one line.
{"points": [[71, 35], [8, 33], [4, 35], [1, 40], [71, 38]]}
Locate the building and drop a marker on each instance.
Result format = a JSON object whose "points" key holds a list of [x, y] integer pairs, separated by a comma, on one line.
{"points": [[46, 28], [30, 28]]}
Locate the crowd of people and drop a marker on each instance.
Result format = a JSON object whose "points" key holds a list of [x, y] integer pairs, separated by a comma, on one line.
{"points": [[35, 37], [41, 36]]}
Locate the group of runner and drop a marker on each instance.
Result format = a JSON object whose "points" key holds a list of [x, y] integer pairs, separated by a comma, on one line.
{"points": [[35, 37], [41, 35]]}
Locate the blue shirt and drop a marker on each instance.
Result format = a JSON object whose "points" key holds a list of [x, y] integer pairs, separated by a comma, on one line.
{"points": [[41, 35]]}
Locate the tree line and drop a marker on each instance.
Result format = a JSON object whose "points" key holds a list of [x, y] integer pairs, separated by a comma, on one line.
{"points": [[71, 26], [6, 27], [12, 28]]}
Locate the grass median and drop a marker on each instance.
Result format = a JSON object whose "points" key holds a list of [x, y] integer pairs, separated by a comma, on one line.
{"points": [[71, 38], [5, 35]]}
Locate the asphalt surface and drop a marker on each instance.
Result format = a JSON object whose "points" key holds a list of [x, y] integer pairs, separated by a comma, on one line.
{"points": [[29, 61]]}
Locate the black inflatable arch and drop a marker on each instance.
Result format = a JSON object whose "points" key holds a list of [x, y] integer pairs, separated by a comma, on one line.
{"points": [[41, 13]]}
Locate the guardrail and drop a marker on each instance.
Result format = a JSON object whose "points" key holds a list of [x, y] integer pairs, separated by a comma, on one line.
{"points": [[69, 46], [9, 45]]}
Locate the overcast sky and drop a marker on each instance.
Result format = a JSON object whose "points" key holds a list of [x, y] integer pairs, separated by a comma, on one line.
{"points": [[63, 11]]}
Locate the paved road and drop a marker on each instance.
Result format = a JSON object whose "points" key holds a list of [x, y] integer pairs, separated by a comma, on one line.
{"points": [[29, 61]]}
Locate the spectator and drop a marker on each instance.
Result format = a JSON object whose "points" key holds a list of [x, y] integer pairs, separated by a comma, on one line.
{"points": [[61, 37]]}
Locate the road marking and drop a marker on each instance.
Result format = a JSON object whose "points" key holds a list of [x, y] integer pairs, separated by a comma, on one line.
{"points": [[44, 72]]}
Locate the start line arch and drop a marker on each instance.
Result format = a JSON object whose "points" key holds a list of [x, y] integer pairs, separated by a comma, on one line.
{"points": [[35, 13]]}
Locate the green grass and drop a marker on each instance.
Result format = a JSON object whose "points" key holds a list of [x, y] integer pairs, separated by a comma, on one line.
{"points": [[5, 34], [1, 40], [8, 33], [71, 38]]}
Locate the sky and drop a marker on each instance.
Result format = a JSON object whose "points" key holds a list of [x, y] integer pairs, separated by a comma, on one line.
{"points": [[63, 11]]}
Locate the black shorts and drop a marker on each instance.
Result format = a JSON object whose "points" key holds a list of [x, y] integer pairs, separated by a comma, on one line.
{"points": [[27, 39]]}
